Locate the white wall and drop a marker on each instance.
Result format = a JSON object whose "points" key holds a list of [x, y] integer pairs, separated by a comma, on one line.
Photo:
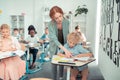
{"points": [[110, 70], [33, 12], [33, 15], [16, 8]]}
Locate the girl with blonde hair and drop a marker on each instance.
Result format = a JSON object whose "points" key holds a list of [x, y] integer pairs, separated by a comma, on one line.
{"points": [[11, 68]]}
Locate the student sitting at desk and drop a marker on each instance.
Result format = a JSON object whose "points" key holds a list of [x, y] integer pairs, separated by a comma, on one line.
{"points": [[83, 38], [11, 68], [16, 33], [45, 37], [77, 50], [32, 39]]}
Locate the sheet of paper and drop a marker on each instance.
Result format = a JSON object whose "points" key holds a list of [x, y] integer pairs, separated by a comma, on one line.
{"points": [[19, 52], [61, 59], [83, 58], [5, 54]]}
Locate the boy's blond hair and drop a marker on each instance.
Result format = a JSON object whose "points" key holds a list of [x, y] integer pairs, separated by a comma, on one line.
{"points": [[73, 37]]}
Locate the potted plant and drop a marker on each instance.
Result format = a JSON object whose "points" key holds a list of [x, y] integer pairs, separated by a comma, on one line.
{"points": [[80, 10]]}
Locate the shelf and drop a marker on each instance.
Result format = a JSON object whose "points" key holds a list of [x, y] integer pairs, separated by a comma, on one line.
{"points": [[46, 19], [17, 21]]}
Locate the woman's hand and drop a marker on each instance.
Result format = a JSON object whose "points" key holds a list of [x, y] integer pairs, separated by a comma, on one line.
{"points": [[68, 53]]}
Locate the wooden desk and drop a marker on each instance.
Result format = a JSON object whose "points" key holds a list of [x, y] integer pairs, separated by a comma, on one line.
{"points": [[69, 62]]}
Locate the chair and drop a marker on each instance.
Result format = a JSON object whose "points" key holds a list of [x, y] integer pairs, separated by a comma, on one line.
{"points": [[40, 79], [44, 53], [27, 59]]}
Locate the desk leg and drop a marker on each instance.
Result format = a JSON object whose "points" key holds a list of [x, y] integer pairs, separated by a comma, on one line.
{"points": [[68, 73]]}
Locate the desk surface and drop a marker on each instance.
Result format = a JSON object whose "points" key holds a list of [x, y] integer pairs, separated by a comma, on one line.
{"points": [[70, 61]]}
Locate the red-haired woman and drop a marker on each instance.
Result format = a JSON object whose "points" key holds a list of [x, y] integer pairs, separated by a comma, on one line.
{"points": [[58, 31]]}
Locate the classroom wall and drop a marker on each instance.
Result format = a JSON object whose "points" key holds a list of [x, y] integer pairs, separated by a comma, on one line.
{"points": [[33, 15], [17, 7], [109, 49], [33, 10]]}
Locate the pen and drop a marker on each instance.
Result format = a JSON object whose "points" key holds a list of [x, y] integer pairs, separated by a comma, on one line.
{"points": [[67, 63]]}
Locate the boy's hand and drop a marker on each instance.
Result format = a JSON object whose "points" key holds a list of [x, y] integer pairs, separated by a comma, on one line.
{"points": [[79, 55]]}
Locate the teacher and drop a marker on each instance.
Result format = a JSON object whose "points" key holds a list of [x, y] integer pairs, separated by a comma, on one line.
{"points": [[58, 30]]}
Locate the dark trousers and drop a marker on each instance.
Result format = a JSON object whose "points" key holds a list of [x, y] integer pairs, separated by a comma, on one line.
{"points": [[34, 52]]}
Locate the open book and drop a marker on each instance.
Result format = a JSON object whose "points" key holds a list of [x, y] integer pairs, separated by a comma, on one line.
{"points": [[71, 61], [61, 59], [11, 53]]}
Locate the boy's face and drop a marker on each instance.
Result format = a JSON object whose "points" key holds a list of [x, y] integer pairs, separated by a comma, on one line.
{"points": [[5, 33], [71, 43], [16, 32]]}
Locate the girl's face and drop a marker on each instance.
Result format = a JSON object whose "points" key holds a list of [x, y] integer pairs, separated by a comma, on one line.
{"points": [[58, 17], [5, 33], [32, 33], [71, 43]]}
